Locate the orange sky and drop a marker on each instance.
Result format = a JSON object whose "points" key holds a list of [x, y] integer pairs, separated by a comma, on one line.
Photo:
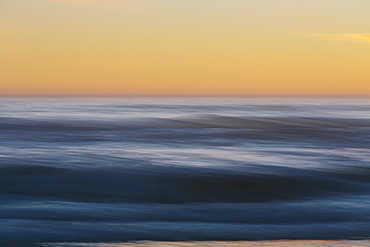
{"points": [[184, 47]]}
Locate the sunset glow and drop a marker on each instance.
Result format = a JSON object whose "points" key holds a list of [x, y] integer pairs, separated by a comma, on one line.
{"points": [[184, 47]]}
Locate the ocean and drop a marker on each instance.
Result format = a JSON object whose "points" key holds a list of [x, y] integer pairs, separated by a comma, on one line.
{"points": [[108, 171]]}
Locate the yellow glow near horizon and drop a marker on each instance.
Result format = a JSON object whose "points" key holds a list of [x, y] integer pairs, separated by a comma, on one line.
{"points": [[348, 37], [185, 47]]}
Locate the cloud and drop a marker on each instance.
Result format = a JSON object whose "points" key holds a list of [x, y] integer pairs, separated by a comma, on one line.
{"points": [[347, 37], [360, 36]]}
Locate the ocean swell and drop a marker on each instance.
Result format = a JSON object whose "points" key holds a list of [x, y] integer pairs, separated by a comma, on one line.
{"points": [[190, 121], [161, 184]]}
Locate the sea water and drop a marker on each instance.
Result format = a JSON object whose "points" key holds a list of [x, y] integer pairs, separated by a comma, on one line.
{"points": [[96, 170]]}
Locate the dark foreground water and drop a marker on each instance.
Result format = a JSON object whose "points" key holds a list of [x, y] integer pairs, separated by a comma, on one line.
{"points": [[113, 170]]}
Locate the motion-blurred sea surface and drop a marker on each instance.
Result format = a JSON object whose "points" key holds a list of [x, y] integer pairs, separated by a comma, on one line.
{"points": [[183, 169]]}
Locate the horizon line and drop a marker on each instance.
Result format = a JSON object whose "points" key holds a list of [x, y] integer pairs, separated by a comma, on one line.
{"points": [[184, 96]]}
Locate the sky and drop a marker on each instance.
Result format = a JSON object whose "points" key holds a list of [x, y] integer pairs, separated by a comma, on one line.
{"points": [[184, 48]]}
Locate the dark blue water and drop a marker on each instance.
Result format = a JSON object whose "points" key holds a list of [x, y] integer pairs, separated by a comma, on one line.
{"points": [[111, 169]]}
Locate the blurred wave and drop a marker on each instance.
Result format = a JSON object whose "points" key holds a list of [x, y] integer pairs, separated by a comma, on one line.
{"points": [[183, 169], [198, 121], [161, 184]]}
